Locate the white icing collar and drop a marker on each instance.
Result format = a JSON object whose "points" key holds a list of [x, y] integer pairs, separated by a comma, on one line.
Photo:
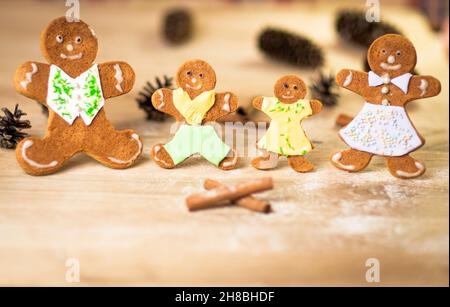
{"points": [[402, 82]]}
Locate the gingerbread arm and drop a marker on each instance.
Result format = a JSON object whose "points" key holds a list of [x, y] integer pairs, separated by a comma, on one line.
{"points": [[117, 78], [257, 102], [162, 100], [353, 80], [423, 87], [316, 106], [225, 103], [31, 80]]}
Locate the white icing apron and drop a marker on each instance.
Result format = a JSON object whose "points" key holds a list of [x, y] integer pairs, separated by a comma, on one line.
{"points": [[382, 130], [72, 97]]}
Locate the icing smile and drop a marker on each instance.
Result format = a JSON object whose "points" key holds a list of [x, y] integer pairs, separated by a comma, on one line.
{"points": [[72, 57], [194, 87], [287, 97], [386, 66]]}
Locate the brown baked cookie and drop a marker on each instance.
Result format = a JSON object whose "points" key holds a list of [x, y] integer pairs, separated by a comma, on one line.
{"points": [[383, 127], [195, 103], [74, 90], [285, 136]]}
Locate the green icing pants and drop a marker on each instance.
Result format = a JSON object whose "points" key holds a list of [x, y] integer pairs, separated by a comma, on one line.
{"points": [[201, 140]]}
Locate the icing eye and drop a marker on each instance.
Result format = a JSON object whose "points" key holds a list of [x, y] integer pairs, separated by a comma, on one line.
{"points": [[78, 40], [59, 38], [399, 53], [201, 75], [383, 51], [189, 73], [295, 87], [285, 85]]}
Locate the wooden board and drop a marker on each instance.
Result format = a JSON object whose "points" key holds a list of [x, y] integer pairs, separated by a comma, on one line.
{"points": [[132, 227]]}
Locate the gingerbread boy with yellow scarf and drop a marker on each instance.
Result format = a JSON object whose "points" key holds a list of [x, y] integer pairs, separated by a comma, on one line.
{"points": [[194, 104]]}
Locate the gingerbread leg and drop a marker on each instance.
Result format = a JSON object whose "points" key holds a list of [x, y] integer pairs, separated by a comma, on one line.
{"points": [[266, 161], [351, 160], [45, 156], [160, 155], [300, 164], [114, 149], [405, 167], [229, 163]]}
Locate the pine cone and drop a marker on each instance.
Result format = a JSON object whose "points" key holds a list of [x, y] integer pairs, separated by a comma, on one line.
{"points": [[11, 127], [144, 98], [353, 27], [290, 48], [325, 90], [177, 26]]}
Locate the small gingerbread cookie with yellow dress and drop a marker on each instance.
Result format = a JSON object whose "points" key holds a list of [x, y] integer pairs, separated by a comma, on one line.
{"points": [[285, 136]]}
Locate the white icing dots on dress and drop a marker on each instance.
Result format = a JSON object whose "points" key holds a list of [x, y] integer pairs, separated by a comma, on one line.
{"points": [[423, 87], [348, 79], [29, 76], [119, 77], [27, 144]]}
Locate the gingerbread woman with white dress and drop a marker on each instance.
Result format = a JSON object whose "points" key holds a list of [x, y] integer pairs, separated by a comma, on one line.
{"points": [[383, 127]]}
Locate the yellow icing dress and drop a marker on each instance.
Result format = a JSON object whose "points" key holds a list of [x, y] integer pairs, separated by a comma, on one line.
{"points": [[285, 135]]}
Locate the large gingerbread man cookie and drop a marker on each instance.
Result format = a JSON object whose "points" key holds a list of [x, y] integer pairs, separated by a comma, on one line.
{"points": [[383, 127], [74, 90], [195, 103], [285, 136]]}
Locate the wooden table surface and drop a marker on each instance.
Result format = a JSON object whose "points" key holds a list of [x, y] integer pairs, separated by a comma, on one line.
{"points": [[132, 226]]}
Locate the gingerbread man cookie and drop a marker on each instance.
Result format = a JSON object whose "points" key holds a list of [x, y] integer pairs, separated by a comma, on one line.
{"points": [[74, 90], [383, 127], [285, 136], [195, 103]]}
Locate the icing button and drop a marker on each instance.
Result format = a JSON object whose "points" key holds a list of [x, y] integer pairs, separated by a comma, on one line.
{"points": [[385, 102], [385, 90]]}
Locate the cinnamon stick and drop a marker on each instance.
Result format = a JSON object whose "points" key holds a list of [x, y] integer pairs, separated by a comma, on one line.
{"points": [[217, 196], [248, 202]]}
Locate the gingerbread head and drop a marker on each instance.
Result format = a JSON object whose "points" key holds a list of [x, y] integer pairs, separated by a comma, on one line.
{"points": [[393, 55], [72, 46], [290, 89], [196, 77]]}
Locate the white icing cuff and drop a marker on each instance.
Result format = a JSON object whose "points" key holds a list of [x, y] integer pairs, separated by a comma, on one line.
{"points": [[119, 77], [118, 161], [27, 144], [420, 168], [337, 159], [29, 76]]}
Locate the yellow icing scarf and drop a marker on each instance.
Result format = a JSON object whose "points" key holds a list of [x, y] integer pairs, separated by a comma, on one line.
{"points": [[193, 110]]}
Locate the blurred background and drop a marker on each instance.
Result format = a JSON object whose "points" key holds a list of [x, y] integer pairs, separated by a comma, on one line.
{"points": [[132, 226]]}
